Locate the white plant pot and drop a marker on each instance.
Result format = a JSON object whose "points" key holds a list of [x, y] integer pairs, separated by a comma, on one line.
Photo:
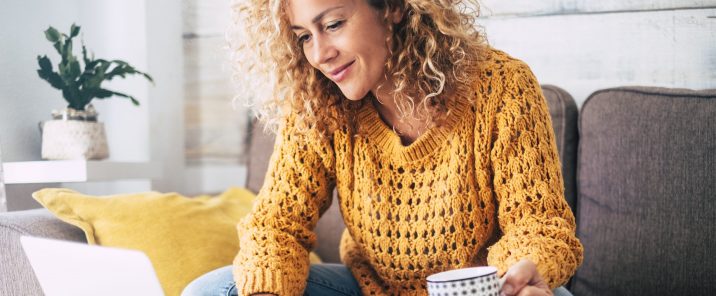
{"points": [[73, 139]]}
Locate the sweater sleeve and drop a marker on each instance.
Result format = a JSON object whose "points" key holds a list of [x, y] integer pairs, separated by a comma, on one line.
{"points": [[534, 217], [360, 267], [276, 237]]}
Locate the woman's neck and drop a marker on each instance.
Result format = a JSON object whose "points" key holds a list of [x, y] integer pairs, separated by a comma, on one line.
{"points": [[409, 129]]}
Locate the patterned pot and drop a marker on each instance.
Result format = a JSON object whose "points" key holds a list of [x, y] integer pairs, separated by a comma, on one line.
{"points": [[74, 134]]}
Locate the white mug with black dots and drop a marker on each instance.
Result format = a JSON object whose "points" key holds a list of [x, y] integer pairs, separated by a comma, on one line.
{"points": [[481, 281]]}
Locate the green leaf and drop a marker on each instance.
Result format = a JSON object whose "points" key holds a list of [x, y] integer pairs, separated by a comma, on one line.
{"points": [[67, 50], [101, 93], [102, 68], [64, 70], [52, 34], [79, 85], [44, 62], [105, 93], [84, 56], [96, 75], [73, 98], [74, 68], [58, 47], [123, 69], [45, 72], [56, 81], [74, 30], [91, 82], [148, 77]]}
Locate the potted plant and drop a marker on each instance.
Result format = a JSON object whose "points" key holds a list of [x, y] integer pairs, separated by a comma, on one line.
{"points": [[74, 132]]}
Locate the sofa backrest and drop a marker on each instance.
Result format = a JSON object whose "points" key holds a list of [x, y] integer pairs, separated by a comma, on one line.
{"points": [[563, 112], [647, 192]]}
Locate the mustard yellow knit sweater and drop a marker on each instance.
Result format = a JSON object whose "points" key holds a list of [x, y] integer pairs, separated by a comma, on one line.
{"points": [[485, 188]]}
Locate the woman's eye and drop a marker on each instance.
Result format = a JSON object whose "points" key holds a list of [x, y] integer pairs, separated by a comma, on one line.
{"points": [[303, 38], [332, 26]]}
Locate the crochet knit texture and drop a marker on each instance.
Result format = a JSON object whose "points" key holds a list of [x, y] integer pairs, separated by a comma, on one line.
{"points": [[484, 188]]}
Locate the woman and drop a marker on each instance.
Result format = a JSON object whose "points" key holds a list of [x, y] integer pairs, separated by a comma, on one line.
{"points": [[441, 149]]}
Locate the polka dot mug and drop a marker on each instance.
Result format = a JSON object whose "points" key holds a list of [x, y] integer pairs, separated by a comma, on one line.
{"points": [[481, 281]]}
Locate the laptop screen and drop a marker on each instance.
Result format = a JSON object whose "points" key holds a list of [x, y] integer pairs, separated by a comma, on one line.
{"points": [[69, 268]]}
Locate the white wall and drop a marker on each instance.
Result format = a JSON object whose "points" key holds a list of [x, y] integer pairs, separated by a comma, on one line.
{"points": [[583, 45], [145, 33], [216, 130], [165, 58], [26, 100]]}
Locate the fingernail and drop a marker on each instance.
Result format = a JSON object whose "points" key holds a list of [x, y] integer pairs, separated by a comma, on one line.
{"points": [[507, 289]]}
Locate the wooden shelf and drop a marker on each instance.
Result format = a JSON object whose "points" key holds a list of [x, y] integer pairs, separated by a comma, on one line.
{"points": [[61, 171]]}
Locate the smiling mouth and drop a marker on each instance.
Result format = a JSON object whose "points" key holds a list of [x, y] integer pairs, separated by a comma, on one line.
{"points": [[340, 73]]}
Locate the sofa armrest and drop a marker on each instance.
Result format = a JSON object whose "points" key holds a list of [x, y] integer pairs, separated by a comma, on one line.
{"points": [[16, 275]]}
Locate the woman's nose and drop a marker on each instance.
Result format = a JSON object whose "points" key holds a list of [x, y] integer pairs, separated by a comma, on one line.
{"points": [[323, 51]]}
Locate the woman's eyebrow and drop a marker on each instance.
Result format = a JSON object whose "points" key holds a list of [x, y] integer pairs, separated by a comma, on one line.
{"points": [[319, 17]]}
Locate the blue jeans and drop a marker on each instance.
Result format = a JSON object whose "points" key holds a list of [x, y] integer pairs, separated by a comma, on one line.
{"points": [[323, 279]]}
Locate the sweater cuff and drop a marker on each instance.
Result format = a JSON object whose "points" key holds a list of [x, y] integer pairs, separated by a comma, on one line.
{"points": [[265, 281]]}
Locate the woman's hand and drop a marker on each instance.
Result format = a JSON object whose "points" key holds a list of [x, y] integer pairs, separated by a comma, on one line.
{"points": [[522, 279]]}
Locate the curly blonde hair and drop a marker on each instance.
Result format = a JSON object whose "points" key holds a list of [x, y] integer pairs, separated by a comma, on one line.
{"points": [[434, 57]]}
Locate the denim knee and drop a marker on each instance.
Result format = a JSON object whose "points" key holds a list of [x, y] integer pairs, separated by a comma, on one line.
{"points": [[561, 291], [216, 282], [331, 279]]}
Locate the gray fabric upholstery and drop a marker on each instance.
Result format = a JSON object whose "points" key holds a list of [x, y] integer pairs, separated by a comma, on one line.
{"points": [[260, 149], [647, 192], [563, 111], [16, 275]]}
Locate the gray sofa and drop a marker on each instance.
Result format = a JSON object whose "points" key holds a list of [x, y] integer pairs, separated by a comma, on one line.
{"points": [[640, 173]]}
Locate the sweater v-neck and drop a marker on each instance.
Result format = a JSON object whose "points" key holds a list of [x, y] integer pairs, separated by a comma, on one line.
{"points": [[391, 143]]}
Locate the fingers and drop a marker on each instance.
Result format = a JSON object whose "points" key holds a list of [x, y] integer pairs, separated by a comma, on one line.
{"points": [[535, 291], [518, 276]]}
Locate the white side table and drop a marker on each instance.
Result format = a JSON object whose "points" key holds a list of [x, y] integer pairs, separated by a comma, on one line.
{"points": [[63, 171], [89, 177]]}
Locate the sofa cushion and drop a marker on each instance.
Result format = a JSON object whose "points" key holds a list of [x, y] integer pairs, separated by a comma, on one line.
{"points": [[647, 184], [183, 237], [563, 111]]}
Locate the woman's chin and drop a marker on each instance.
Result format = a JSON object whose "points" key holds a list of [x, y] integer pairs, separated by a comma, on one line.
{"points": [[353, 95]]}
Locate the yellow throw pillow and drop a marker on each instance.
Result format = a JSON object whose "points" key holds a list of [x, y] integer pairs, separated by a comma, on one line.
{"points": [[183, 237]]}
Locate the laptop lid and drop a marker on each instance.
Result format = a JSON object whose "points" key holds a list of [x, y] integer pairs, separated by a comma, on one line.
{"points": [[69, 268]]}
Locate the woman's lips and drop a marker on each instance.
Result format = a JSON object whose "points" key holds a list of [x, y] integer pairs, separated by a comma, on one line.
{"points": [[341, 73]]}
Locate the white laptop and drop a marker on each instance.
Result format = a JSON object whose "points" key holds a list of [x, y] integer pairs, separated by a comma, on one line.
{"points": [[70, 268]]}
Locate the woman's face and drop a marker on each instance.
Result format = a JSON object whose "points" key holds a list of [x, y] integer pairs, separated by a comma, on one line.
{"points": [[345, 40]]}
